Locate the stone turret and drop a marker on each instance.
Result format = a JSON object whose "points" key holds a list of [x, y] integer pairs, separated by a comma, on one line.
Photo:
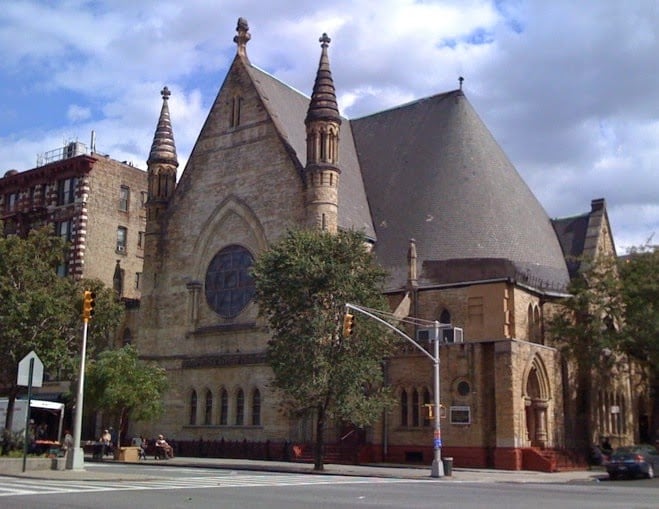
{"points": [[322, 127], [161, 166]]}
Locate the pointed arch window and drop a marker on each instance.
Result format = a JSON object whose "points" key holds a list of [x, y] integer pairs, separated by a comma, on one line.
{"points": [[256, 407], [193, 407], [208, 409], [415, 407], [240, 408], [426, 402], [224, 407], [445, 316], [403, 408]]}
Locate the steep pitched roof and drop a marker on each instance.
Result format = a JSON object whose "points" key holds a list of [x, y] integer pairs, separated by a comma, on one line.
{"points": [[581, 236], [288, 109], [433, 172]]}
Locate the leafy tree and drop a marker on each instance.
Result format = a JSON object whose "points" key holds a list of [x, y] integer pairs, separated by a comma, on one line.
{"points": [[41, 311], [639, 272], [586, 327], [124, 387], [37, 308], [302, 285]]}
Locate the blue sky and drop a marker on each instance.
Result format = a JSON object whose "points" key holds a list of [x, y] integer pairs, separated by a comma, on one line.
{"points": [[569, 89]]}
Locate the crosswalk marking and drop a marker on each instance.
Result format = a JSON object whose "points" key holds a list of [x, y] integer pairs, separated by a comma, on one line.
{"points": [[10, 486]]}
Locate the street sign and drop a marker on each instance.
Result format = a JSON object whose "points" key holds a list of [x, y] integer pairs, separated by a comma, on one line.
{"points": [[24, 371]]}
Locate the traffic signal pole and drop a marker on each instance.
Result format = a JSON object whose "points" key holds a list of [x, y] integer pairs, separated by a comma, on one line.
{"points": [[437, 467], [75, 458]]}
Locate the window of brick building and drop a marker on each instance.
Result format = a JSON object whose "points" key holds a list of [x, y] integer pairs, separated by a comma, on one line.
{"points": [[124, 197], [122, 237], [66, 191], [403, 408]]}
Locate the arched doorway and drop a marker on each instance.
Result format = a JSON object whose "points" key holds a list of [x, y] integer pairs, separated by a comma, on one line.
{"points": [[536, 403]]}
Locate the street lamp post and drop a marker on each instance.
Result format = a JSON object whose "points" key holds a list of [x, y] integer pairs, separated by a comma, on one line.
{"points": [[437, 467]]}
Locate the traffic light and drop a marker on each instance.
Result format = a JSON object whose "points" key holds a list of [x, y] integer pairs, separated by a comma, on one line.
{"points": [[88, 303], [348, 324]]}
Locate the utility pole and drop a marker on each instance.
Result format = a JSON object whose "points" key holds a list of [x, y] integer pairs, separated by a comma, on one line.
{"points": [[437, 467]]}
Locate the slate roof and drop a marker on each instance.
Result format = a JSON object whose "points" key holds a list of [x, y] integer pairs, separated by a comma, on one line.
{"points": [[288, 109], [430, 170], [433, 172], [571, 232]]}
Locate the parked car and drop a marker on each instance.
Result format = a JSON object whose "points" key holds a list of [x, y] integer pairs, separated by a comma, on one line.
{"points": [[633, 461]]}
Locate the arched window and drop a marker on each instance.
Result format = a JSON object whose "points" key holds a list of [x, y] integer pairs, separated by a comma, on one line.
{"points": [[403, 408], [193, 407], [256, 407], [415, 407], [445, 316], [208, 410], [224, 407], [240, 408]]}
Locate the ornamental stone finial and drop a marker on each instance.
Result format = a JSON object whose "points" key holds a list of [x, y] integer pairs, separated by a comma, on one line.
{"points": [[243, 36]]}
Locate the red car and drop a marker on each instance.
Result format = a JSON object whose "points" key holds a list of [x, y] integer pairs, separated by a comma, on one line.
{"points": [[633, 461]]}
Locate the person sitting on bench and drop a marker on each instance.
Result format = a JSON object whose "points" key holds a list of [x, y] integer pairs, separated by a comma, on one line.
{"points": [[163, 449]]}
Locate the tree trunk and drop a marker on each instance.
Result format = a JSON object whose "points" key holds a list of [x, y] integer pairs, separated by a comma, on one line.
{"points": [[319, 446]]}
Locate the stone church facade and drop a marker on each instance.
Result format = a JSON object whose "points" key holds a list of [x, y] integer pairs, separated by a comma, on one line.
{"points": [[462, 237]]}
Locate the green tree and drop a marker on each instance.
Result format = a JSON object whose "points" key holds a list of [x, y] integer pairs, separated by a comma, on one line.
{"points": [[37, 308], [586, 328], [639, 272], [41, 311], [302, 285], [124, 387]]}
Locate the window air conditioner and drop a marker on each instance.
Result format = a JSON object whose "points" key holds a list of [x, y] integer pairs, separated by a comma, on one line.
{"points": [[452, 335]]}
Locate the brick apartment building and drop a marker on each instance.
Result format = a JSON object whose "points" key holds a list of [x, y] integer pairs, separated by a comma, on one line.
{"points": [[95, 202]]}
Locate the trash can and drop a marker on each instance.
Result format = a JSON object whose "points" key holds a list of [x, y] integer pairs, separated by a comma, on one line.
{"points": [[448, 466]]}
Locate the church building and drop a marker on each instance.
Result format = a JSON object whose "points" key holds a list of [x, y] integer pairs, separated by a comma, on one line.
{"points": [[462, 237]]}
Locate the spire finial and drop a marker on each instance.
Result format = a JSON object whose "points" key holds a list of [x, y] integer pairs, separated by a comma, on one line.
{"points": [[165, 93], [461, 79], [243, 36], [324, 40]]}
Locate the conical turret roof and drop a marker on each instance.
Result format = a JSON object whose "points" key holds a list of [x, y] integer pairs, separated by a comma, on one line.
{"points": [[163, 149], [323, 105]]}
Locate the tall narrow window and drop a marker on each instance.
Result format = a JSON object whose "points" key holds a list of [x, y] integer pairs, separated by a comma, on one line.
{"points": [[415, 407], [124, 197], [208, 410], [122, 237], [11, 201], [138, 280], [403, 408], [240, 407], [224, 407], [64, 230], [140, 240], [66, 191], [193, 407], [256, 407]]}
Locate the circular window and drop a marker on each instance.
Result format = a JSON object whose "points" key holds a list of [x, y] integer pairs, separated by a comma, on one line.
{"points": [[463, 388], [229, 286]]}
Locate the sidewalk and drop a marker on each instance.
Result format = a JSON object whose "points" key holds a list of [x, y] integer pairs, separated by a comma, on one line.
{"points": [[376, 470]]}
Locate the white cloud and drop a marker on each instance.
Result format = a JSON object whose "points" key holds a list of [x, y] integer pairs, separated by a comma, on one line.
{"points": [[569, 89]]}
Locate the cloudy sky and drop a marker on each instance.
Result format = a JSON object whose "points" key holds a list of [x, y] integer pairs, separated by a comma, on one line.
{"points": [[570, 89]]}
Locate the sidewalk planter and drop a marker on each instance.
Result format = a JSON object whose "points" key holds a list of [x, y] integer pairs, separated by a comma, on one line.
{"points": [[129, 454]]}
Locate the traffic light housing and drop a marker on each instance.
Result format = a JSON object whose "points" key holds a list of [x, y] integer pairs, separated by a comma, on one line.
{"points": [[348, 324], [88, 304]]}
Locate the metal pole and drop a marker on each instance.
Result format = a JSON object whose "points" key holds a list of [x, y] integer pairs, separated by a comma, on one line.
{"points": [[75, 458], [437, 469], [27, 414]]}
